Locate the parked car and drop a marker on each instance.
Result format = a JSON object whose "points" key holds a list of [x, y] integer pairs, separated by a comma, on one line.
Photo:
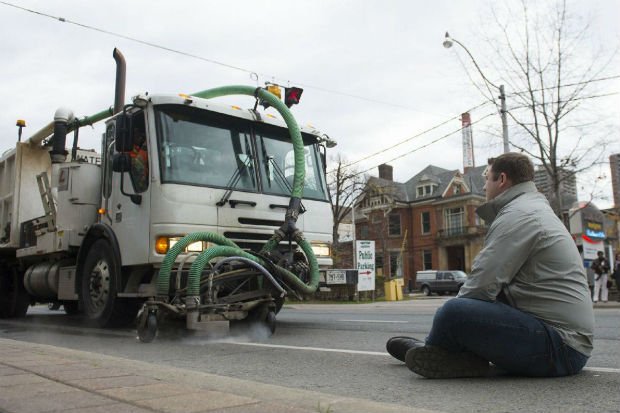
{"points": [[440, 282]]}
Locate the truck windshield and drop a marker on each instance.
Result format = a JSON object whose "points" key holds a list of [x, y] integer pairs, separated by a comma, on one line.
{"points": [[198, 147]]}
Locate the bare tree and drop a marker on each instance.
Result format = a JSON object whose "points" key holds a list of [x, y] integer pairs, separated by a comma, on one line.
{"points": [[541, 53], [345, 185]]}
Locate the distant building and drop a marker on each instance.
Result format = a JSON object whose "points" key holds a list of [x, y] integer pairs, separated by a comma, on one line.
{"points": [[568, 186], [614, 164], [428, 222]]}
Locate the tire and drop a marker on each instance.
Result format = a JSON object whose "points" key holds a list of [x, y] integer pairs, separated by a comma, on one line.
{"points": [[100, 277], [71, 307], [147, 326], [426, 290], [14, 299], [270, 321], [53, 306]]}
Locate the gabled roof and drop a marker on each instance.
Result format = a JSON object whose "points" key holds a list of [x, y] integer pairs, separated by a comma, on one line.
{"points": [[396, 190], [431, 174], [475, 180], [441, 177]]}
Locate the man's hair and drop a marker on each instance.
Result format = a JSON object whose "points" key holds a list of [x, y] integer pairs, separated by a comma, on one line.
{"points": [[517, 167]]}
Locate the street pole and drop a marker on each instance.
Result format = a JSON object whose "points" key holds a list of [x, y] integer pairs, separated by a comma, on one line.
{"points": [[448, 41], [502, 97]]}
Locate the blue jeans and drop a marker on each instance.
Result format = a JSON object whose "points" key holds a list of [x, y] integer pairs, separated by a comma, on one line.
{"points": [[514, 341]]}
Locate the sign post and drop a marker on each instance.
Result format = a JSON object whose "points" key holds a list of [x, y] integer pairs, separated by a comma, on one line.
{"points": [[365, 254]]}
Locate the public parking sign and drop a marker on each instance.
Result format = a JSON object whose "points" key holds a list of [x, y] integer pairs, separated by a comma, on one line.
{"points": [[365, 255]]}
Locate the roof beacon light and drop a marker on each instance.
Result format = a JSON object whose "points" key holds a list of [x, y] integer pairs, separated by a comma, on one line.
{"points": [[275, 90]]}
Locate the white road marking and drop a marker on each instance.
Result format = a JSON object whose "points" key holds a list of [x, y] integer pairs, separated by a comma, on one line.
{"points": [[379, 353], [373, 321], [328, 350], [602, 369]]}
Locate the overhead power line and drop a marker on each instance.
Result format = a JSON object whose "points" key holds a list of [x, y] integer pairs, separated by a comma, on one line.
{"points": [[205, 59], [424, 132], [428, 144]]}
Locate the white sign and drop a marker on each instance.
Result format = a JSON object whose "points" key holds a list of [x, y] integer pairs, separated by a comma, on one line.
{"points": [[591, 248], [365, 254], [336, 277]]}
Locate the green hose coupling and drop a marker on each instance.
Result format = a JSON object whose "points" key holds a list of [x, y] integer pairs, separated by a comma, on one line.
{"points": [[291, 216]]}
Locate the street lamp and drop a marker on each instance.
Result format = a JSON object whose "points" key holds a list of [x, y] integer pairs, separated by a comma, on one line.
{"points": [[447, 43]]}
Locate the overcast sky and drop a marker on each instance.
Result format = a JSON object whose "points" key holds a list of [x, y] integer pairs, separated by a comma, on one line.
{"points": [[374, 72]]}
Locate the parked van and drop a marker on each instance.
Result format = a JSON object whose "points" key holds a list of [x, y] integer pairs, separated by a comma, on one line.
{"points": [[440, 282]]}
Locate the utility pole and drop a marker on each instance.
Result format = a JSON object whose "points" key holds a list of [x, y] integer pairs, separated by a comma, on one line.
{"points": [[502, 97], [447, 43]]}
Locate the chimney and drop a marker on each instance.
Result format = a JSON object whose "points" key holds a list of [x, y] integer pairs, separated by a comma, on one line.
{"points": [[386, 172]]}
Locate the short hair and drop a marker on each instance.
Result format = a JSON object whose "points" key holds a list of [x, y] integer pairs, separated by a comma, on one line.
{"points": [[517, 167]]}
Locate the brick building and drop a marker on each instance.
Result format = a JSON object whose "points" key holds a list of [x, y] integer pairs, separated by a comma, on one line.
{"points": [[428, 222]]}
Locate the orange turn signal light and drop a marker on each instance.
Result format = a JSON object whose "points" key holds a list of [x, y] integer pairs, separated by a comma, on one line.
{"points": [[162, 245]]}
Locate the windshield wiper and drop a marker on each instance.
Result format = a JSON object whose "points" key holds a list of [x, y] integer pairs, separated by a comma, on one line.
{"points": [[234, 179], [283, 181]]}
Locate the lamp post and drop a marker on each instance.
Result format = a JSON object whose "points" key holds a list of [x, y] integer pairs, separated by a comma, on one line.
{"points": [[447, 43]]}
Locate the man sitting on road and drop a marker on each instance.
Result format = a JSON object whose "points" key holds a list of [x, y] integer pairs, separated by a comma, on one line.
{"points": [[526, 307]]}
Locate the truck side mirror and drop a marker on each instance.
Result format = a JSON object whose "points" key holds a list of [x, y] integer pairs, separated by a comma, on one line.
{"points": [[121, 162], [122, 139]]}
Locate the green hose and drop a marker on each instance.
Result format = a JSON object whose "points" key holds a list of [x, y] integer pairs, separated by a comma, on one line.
{"points": [[163, 279], [195, 272]]}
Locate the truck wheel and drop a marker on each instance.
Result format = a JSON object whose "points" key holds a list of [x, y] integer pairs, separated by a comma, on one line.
{"points": [[100, 275], [14, 299], [71, 307], [147, 326], [426, 290], [270, 321]]}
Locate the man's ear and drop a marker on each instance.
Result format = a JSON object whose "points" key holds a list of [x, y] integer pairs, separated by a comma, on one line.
{"points": [[504, 179]]}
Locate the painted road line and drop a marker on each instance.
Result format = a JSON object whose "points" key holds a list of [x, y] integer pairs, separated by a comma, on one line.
{"points": [[373, 321], [601, 370], [378, 353], [327, 350]]}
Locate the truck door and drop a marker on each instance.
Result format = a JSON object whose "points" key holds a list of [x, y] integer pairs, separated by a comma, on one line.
{"points": [[128, 197]]}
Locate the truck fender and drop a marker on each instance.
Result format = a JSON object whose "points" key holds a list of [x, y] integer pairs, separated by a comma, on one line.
{"points": [[95, 232]]}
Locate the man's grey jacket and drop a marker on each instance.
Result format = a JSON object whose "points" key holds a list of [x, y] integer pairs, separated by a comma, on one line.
{"points": [[530, 256]]}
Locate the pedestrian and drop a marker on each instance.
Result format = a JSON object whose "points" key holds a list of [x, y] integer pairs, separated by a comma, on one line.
{"points": [[600, 266], [616, 274], [526, 307]]}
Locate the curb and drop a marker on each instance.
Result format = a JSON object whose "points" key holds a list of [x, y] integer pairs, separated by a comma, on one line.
{"points": [[113, 383]]}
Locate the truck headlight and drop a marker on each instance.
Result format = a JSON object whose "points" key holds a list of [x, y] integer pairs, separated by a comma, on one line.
{"points": [[321, 249], [164, 243]]}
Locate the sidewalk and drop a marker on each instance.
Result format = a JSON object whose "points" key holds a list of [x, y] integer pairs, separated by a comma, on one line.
{"points": [[37, 378]]}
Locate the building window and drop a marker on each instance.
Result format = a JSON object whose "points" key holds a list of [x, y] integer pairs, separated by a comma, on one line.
{"points": [[453, 221], [364, 231], [379, 264], [458, 189], [426, 222], [425, 190], [394, 264], [376, 217], [427, 260], [394, 224]]}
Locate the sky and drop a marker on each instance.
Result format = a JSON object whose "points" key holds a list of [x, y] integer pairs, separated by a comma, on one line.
{"points": [[374, 72]]}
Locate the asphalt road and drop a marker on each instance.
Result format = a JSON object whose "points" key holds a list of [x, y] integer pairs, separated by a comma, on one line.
{"points": [[340, 349]]}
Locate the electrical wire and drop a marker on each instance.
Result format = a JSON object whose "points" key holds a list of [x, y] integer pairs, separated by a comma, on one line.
{"points": [[424, 132], [212, 61], [426, 145]]}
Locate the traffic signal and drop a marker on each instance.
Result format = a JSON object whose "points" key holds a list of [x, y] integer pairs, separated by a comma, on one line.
{"points": [[292, 95]]}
